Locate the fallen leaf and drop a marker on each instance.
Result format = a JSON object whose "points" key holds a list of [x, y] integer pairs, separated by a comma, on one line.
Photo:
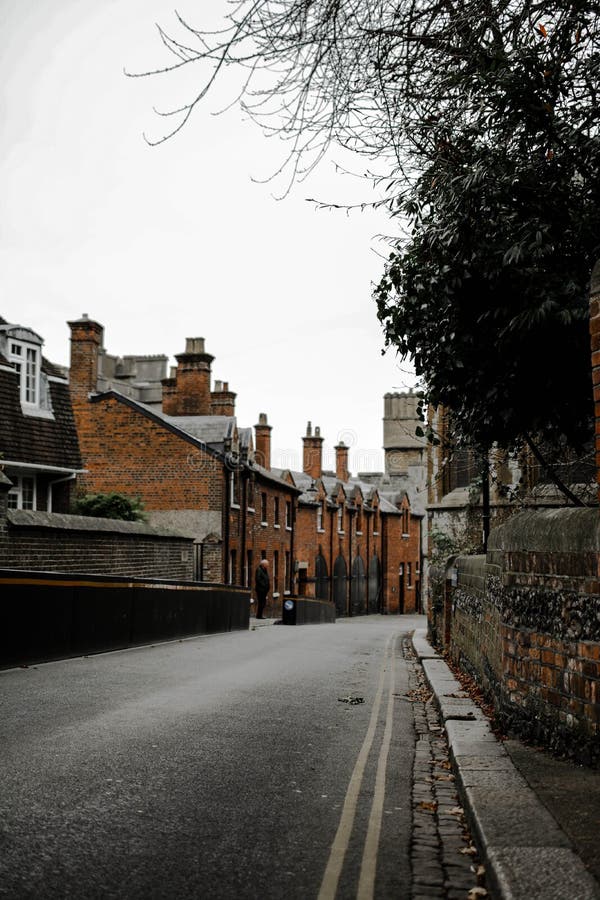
{"points": [[430, 805], [468, 851], [456, 811], [444, 777], [477, 892]]}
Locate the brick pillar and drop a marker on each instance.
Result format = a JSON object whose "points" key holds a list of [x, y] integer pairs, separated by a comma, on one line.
{"points": [[86, 341], [222, 400], [263, 442], [312, 456], [341, 462], [595, 334], [192, 381]]}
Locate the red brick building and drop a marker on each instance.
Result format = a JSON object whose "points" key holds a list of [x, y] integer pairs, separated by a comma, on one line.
{"points": [[356, 546], [189, 463]]}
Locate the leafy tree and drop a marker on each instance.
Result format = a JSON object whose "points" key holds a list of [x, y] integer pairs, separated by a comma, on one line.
{"points": [[489, 293], [484, 115], [110, 506]]}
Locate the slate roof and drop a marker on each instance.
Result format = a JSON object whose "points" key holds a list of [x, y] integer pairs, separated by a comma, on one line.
{"points": [[330, 483], [208, 429]]}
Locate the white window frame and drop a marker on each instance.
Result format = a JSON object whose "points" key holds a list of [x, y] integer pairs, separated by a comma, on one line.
{"points": [[19, 355], [17, 491]]}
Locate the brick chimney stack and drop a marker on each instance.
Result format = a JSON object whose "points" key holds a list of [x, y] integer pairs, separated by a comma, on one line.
{"points": [[312, 452], [263, 442], [341, 462], [190, 394], [86, 341], [222, 400], [169, 392]]}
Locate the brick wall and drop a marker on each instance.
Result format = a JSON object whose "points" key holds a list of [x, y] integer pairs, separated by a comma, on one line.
{"points": [[255, 530], [526, 623], [53, 542]]}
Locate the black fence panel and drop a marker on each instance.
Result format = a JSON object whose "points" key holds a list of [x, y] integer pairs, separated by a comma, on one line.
{"points": [[48, 615]]}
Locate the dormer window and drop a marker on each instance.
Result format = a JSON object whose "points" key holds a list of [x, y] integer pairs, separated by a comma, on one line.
{"points": [[26, 360], [22, 348]]}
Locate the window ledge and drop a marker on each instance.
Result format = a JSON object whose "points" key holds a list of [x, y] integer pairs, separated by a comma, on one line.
{"points": [[276, 526], [286, 593], [341, 532], [359, 534], [375, 534], [320, 531], [250, 509], [276, 595], [405, 534], [234, 505], [36, 412], [263, 524], [288, 527]]}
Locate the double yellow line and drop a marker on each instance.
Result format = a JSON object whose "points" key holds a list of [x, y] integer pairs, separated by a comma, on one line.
{"points": [[368, 868]]}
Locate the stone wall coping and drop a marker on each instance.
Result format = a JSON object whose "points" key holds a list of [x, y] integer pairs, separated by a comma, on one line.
{"points": [[23, 518], [567, 530]]}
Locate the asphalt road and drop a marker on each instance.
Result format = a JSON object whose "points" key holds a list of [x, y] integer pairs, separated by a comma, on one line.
{"points": [[223, 766]]}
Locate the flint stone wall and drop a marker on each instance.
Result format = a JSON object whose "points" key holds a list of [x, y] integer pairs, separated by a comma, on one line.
{"points": [[525, 621]]}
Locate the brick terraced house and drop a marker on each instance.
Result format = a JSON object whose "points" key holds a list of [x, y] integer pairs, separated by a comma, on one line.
{"points": [[39, 450], [356, 546], [188, 461]]}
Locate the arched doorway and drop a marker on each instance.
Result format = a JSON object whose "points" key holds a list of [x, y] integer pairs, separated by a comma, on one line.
{"points": [[340, 586], [321, 579], [358, 590], [374, 585]]}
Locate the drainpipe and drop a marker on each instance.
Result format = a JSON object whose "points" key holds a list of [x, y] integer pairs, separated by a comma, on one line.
{"points": [[367, 519], [292, 533], [244, 521], [350, 519], [226, 507], [331, 593], [51, 484], [383, 564]]}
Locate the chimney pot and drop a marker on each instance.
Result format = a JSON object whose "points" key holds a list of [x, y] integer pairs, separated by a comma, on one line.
{"points": [[194, 345]]}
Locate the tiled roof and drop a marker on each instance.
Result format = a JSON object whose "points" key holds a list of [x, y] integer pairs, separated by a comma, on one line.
{"points": [[41, 441], [209, 429]]}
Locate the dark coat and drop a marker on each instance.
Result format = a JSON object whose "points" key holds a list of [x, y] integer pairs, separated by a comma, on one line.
{"points": [[262, 581]]}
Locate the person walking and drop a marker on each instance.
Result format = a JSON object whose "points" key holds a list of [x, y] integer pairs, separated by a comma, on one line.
{"points": [[262, 584]]}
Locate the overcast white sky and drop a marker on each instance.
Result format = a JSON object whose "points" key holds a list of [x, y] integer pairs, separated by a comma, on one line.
{"points": [[160, 244]]}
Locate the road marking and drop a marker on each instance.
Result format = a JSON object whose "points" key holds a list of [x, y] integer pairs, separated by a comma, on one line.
{"points": [[339, 847], [368, 868]]}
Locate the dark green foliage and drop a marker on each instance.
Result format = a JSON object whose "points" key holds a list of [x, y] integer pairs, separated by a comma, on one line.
{"points": [[110, 506], [489, 293]]}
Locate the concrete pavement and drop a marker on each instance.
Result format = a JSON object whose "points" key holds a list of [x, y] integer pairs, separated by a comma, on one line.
{"points": [[526, 852]]}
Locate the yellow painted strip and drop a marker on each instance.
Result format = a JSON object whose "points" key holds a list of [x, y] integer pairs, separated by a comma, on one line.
{"points": [[368, 869], [117, 584], [342, 838]]}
